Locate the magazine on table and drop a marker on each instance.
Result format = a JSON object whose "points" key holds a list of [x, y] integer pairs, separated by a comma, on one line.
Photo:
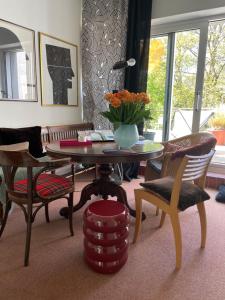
{"points": [[96, 135]]}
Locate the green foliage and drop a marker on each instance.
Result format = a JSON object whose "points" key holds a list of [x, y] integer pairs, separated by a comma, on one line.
{"points": [[218, 122], [156, 82], [213, 93], [185, 68], [156, 88]]}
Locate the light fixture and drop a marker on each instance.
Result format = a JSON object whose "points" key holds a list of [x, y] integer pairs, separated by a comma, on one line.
{"points": [[124, 64]]}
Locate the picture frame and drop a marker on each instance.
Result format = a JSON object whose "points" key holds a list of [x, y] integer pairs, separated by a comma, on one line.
{"points": [[18, 80], [59, 71]]}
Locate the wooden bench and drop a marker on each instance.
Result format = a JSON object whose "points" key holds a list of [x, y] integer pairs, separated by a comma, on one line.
{"points": [[62, 132]]}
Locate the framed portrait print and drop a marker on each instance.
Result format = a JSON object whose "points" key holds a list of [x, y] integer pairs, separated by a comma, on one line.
{"points": [[59, 71], [17, 63]]}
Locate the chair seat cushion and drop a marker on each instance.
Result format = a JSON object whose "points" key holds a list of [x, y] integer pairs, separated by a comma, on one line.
{"points": [[47, 185], [190, 194]]}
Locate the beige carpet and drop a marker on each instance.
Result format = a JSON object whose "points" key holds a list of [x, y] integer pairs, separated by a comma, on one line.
{"points": [[57, 269]]}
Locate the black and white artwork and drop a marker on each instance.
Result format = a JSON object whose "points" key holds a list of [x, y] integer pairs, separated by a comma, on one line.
{"points": [[59, 76], [17, 63]]}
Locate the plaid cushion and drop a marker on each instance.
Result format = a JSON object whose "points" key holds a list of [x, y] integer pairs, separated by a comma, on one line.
{"points": [[47, 185]]}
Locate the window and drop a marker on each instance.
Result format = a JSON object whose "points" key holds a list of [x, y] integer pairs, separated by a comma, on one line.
{"points": [[186, 79]]}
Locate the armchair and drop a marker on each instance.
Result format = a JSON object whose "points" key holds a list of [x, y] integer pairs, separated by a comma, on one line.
{"points": [[38, 189], [194, 144]]}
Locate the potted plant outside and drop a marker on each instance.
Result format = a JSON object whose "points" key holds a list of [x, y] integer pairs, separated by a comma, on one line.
{"points": [[218, 128]]}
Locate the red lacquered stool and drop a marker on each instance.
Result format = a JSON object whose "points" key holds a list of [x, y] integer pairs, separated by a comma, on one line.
{"points": [[106, 235]]}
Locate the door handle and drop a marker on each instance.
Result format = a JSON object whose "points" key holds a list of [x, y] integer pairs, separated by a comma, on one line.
{"points": [[198, 102]]}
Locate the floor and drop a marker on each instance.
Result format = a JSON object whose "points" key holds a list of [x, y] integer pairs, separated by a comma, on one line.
{"points": [[57, 269]]}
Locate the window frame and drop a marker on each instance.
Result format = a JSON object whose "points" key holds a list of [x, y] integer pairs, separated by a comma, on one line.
{"points": [[169, 29]]}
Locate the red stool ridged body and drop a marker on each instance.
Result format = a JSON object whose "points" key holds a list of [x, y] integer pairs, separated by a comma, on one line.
{"points": [[106, 235]]}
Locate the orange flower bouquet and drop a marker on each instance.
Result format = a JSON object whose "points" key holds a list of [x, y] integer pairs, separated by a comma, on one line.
{"points": [[126, 107]]}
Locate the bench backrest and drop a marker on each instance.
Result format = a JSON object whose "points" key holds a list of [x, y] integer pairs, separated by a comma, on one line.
{"points": [[44, 136], [63, 132]]}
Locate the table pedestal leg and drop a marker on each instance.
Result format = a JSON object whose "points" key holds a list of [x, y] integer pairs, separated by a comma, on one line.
{"points": [[105, 187]]}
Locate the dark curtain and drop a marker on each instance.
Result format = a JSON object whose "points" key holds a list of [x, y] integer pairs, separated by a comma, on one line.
{"points": [[138, 38]]}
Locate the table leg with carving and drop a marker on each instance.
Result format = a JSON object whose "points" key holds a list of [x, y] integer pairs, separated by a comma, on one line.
{"points": [[105, 187]]}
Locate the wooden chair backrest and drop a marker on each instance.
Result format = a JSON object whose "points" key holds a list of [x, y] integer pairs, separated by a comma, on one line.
{"points": [[15, 147], [196, 167], [57, 133], [14, 156], [192, 168], [17, 155]]}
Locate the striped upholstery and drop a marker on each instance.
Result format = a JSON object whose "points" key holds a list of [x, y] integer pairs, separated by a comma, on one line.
{"points": [[47, 185]]}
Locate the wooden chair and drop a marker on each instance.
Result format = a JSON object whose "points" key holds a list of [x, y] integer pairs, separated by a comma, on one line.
{"points": [[175, 193], [38, 189], [193, 144]]}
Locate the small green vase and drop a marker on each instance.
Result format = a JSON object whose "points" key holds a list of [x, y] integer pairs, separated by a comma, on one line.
{"points": [[126, 135]]}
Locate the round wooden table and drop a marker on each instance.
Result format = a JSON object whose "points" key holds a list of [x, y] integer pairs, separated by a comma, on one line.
{"points": [[105, 154]]}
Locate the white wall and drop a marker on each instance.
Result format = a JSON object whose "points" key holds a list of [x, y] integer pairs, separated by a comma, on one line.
{"points": [[165, 8], [62, 19]]}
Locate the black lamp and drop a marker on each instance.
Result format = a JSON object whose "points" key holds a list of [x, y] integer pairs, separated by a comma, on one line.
{"points": [[124, 64]]}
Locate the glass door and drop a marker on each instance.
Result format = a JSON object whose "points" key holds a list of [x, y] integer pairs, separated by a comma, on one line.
{"points": [[186, 81], [172, 74], [156, 86], [186, 49], [213, 99]]}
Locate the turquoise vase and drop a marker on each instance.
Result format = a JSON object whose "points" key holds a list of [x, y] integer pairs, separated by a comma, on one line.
{"points": [[126, 135]]}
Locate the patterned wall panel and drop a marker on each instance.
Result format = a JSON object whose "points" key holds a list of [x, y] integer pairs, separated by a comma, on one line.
{"points": [[103, 42]]}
